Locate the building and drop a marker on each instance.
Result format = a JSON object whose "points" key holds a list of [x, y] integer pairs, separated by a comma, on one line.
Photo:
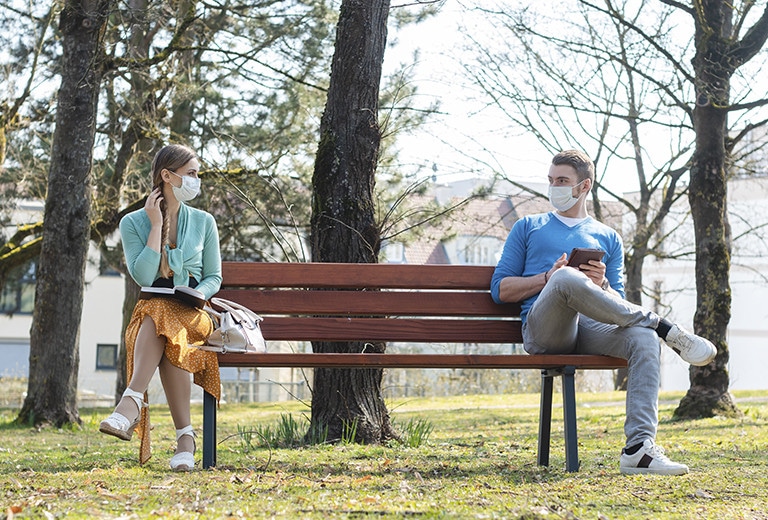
{"points": [[473, 234], [673, 281]]}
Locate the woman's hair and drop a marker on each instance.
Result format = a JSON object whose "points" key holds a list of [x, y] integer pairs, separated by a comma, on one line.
{"points": [[579, 161], [170, 157]]}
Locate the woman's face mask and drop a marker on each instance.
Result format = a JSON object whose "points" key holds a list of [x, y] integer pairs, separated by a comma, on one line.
{"points": [[189, 189], [561, 197]]}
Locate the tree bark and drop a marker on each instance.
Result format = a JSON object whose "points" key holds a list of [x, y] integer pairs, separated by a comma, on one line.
{"points": [[54, 338], [708, 394], [348, 404]]}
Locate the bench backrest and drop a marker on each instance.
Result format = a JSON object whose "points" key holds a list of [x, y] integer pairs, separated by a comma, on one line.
{"points": [[349, 302]]}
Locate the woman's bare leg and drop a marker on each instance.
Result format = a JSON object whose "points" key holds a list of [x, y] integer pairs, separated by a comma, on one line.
{"points": [[147, 354], [178, 389]]}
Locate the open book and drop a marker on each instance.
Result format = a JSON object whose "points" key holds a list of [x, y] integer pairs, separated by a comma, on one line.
{"points": [[186, 294]]}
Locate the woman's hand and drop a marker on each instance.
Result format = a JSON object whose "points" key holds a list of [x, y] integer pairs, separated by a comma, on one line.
{"points": [[152, 207]]}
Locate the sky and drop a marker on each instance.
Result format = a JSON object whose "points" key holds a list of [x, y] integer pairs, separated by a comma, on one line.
{"points": [[456, 143], [468, 139]]}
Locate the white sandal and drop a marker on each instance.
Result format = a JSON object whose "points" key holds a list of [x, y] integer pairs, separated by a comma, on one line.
{"points": [[184, 460], [117, 424]]}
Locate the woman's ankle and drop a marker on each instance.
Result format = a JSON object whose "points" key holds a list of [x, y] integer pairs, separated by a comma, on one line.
{"points": [[127, 408], [185, 443]]}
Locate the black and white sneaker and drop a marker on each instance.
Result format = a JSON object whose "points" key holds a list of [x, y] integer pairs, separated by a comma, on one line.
{"points": [[692, 348], [649, 460]]}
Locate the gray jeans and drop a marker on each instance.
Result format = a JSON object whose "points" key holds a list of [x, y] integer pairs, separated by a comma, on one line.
{"points": [[573, 315]]}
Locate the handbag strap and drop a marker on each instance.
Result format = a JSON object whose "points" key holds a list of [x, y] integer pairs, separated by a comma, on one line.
{"points": [[239, 312], [212, 311]]}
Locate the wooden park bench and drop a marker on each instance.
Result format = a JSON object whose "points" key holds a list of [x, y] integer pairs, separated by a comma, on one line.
{"points": [[435, 304]]}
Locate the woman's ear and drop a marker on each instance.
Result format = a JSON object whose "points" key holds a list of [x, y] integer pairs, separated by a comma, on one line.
{"points": [[165, 174]]}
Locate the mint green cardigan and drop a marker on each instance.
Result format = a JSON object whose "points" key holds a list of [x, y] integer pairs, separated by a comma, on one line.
{"points": [[197, 251]]}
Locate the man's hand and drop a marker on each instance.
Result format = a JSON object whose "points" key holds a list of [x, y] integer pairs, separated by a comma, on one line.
{"points": [[595, 271], [514, 289], [560, 262]]}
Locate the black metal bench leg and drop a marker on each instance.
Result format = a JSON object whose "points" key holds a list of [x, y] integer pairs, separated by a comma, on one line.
{"points": [[209, 430], [545, 416], [569, 420]]}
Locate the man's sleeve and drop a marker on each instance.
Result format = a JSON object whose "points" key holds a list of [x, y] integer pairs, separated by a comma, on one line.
{"points": [[614, 267], [512, 262]]}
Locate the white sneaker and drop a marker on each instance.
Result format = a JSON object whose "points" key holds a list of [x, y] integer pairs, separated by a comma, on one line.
{"points": [[650, 460], [692, 348]]}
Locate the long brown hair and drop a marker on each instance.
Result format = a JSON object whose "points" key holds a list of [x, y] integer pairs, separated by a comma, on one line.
{"points": [[170, 157]]}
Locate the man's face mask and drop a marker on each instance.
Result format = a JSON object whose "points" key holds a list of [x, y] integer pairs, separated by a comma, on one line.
{"points": [[561, 197]]}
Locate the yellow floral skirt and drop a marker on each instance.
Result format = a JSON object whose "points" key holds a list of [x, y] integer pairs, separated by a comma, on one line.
{"points": [[181, 326]]}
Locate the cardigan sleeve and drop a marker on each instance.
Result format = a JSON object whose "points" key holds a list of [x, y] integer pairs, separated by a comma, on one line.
{"points": [[142, 262], [210, 281]]}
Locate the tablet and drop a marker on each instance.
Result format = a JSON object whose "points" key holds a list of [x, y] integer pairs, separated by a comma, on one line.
{"points": [[582, 255]]}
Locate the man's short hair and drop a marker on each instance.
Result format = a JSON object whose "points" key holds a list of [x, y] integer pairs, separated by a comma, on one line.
{"points": [[579, 161]]}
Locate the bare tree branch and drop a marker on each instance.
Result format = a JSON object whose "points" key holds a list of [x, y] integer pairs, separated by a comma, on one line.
{"points": [[752, 42]]}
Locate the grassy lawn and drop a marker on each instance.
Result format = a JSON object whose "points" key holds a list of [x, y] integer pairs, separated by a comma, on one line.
{"points": [[479, 462]]}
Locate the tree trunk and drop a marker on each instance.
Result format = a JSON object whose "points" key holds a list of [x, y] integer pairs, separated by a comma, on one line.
{"points": [[348, 403], [708, 394], [54, 337]]}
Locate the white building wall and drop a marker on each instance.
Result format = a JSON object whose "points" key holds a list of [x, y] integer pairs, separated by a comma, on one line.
{"points": [[100, 324], [748, 327]]}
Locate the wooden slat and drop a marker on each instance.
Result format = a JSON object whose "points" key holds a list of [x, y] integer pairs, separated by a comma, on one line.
{"points": [[335, 275], [383, 329], [384, 303], [521, 361]]}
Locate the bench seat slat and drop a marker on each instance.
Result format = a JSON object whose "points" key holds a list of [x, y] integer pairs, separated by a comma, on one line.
{"points": [[384, 303], [400, 329], [335, 360], [336, 276]]}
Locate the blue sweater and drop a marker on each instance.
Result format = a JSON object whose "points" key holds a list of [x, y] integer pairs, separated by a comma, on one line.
{"points": [[196, 254], [536, 241]]}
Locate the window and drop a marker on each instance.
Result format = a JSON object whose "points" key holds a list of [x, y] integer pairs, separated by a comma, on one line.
{"points": [[18, 294], [106, 357]]}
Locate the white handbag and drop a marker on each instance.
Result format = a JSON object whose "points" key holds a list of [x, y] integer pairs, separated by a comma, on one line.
{"points": [[238, 329]]}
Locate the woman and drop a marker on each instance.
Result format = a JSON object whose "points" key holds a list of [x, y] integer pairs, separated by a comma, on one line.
{"points": [[168, 243]]}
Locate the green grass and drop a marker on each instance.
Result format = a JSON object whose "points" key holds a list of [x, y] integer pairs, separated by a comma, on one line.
{"points": [[478, 462]]}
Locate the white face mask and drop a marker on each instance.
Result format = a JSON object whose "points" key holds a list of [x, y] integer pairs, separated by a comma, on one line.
{"points": [[561, 197], [189, 189]]}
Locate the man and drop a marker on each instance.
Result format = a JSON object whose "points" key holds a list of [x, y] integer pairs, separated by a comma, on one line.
{"points": [[582, 310]]}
